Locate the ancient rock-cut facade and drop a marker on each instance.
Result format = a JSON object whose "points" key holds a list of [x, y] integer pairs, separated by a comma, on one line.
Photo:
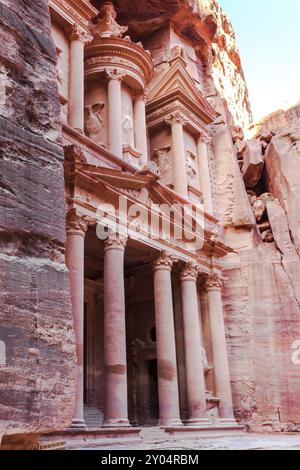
{"points": [[103, 102]]}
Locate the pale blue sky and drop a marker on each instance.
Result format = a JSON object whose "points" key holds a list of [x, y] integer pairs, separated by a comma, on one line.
{"points": [[268, 36]]}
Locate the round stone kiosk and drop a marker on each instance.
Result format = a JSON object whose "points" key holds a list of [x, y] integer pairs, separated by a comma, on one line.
{"points": [[117, 72]]}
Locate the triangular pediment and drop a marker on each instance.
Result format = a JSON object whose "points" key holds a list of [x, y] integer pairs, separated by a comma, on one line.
{"points": [[177, 81]]}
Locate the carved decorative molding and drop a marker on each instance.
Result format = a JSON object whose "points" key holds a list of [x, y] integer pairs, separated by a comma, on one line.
{"points": [[74, 10], [76, 33], [105, 24], [164, 261], [76, 223], [214, 281], [117, 242], [73, 153], [205, 139], [189, 272], [109, 54], [176, 118], [115, 75]]}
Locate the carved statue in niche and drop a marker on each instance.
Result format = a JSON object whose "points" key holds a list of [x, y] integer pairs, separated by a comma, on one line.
{"points": [[127, 126], [105, 24], [191, 172], [94, 125], [162, 158]]}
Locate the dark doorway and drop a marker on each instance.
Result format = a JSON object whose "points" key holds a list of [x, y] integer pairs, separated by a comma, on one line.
{"points": [[153, 392]]}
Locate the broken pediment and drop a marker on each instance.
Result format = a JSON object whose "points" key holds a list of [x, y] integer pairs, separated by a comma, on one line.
{"points": [[175, 83]]}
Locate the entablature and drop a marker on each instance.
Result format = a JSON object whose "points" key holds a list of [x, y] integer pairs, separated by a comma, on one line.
{"points": [[69, 12]]}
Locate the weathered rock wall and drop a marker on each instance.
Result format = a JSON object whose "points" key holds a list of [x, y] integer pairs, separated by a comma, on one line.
{"points": [[37, 360], [266, 272]]}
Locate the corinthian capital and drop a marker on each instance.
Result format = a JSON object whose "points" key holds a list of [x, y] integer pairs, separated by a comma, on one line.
{"points": [[164, 261], [115, 75], [205, 139], [214, 282], [176, 118], [76, 33], [116, 242], [189, 272], [76, 223]]}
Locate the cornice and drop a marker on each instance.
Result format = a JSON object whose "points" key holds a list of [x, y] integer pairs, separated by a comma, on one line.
{"points": [[121, 54], [74, 11]]}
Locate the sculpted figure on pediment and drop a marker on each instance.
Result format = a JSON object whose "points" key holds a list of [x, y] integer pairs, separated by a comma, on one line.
{"points": [[177, 50], [94, 124], [163, 160], [105, 24]]}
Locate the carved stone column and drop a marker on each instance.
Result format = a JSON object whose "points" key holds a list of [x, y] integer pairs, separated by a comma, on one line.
{"points": [[220, 357], [78, 38], [193, 350], [177, 121], [115, 143], [115, 407], [76, 230], [140, 128], [165, 342], [205, 182]]}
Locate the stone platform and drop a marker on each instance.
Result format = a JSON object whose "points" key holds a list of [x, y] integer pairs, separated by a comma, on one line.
{"points": [[75, 438]]}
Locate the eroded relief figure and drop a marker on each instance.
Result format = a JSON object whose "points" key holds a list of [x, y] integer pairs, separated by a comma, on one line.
{"points": [[59, 73], [105, 25], [162, 158], [191, 169], [206, 366], [127, 126], [94, 124], [177, 50]]}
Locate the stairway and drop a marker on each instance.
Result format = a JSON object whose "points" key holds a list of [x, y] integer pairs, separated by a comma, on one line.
{"points": [[93, 417]]}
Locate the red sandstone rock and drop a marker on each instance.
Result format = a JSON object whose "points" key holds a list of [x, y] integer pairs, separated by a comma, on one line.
{"points": [[253, 163], [37, 384]]}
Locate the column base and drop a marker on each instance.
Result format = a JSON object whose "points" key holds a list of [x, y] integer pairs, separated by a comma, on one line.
{"points": [[116, 423], [228, 422], [78, 424], [170, 423], [198, 422]]}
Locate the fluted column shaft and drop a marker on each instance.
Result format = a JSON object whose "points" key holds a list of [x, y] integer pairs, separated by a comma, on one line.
{"points": [[204, 174], [177, 121], [165, 342], [115, 407], [76, 229], [115, 137], [220, 356], [193, 350], [140, 128]]}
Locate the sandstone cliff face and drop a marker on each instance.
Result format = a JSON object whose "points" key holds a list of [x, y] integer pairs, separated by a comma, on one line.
{"points": [[267, 274], [37, 345]]}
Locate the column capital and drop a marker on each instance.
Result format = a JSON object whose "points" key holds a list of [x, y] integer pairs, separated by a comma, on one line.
{"points": [[117, 242], [189, 272], [214, 282], [139, 96], [176, 118], [205, 139], [115, 74], [77, 224], [163, 262], [75, 33]]}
